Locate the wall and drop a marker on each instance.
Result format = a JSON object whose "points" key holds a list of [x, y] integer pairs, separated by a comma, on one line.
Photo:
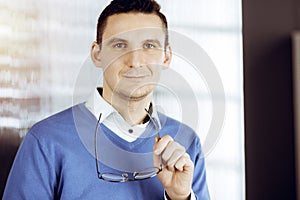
{"points": [[269, 137]]}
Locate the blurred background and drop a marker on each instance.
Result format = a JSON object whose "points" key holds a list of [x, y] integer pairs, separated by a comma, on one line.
{"points": [[44, 45]]}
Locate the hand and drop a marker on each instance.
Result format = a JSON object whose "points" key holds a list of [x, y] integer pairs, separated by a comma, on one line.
{"points": [[178, 169]]}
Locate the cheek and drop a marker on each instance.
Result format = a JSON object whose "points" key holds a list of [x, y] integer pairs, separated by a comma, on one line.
{"points": [[110, 58], [112, 66], [157, 72], [111, 74], [155, 56]]}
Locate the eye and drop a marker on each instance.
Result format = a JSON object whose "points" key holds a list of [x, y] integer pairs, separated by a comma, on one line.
{"points": [[120, 45], [149, 46]]}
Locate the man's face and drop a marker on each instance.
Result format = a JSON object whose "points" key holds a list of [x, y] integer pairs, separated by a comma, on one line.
{"points": [[132, 54]]}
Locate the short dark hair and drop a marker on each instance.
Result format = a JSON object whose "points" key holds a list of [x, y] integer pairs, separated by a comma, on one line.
{"points": [[127, 6]]}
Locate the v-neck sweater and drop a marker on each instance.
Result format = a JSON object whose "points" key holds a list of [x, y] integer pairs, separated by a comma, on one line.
{"points": [[56, 160]]}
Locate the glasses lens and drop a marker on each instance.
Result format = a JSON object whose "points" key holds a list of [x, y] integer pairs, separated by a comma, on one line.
{"points": [[115, 177], [147, 173]]}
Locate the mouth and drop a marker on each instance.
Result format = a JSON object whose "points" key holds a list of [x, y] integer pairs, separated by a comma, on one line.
{"points": [[136, 74]]}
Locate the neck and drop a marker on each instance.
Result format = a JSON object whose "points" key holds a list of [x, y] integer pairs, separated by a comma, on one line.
{"points": [[131, 109]]}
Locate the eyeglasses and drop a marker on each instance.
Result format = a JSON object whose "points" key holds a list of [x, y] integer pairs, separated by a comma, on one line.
{"points": [[141, 175]]}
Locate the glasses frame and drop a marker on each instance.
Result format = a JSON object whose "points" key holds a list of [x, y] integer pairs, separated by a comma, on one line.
{"points": [[135, 175]]}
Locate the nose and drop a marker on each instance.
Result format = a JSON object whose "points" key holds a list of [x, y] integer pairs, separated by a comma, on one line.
{"points": [[135, 58]]}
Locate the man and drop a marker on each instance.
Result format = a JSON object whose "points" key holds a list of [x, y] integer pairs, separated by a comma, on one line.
{"points": [[56, 159]]}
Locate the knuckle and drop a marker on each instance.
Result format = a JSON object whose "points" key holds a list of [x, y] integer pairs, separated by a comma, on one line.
{"points": [[164, 157], [187, 155], [182, 148], [167, 137]]}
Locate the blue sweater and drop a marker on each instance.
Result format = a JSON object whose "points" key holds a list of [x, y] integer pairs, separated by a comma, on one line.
{"points": [[56, 160]]}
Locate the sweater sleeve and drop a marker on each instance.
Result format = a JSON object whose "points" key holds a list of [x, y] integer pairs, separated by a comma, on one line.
{"points": [[32, 175], [199, 185]]}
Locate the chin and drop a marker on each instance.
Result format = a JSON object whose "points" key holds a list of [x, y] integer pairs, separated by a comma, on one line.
{"points": [[140, 93]]}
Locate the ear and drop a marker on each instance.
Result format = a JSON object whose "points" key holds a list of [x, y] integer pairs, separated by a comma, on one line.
{"points": [[95, 54], [168, 57]]}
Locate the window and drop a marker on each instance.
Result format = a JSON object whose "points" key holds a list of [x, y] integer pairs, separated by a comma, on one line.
{"points": [[45, 43], [216, 26]]}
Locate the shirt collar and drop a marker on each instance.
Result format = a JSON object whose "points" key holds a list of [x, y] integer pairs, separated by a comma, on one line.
{"points": [[96, 104], [113, 120]]}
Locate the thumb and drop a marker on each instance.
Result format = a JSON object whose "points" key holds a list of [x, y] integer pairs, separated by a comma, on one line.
{"points": [[157, 161]]}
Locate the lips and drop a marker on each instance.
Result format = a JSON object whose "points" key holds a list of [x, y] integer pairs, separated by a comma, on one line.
{"points": [[137, 73]]}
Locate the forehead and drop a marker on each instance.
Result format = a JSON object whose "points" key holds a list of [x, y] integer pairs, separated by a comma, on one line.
{"points": [[133, 25]]}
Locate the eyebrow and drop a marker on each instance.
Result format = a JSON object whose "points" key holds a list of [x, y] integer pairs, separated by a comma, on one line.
{"points": [[114, 40]]}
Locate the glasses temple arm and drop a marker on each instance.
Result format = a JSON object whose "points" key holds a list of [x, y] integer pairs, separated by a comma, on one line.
{"points": [[95, 143]]}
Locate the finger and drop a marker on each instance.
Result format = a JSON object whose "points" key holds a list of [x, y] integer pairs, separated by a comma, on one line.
{"points": [[161, 144], [173, 160], [184, 162], [156, 161], [172, 153]]}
